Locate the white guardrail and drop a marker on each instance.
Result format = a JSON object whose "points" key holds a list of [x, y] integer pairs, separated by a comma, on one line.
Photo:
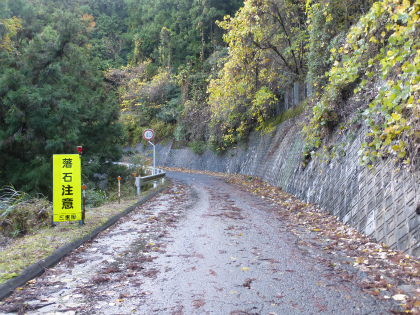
{"points": [[157, 174]]}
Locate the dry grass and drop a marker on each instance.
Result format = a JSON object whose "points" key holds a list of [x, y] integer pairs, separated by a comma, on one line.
{"points": [[20, 253]]}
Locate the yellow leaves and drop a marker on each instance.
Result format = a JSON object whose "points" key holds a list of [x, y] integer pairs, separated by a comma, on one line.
{"points": [[90, 20], [244, 268], [361, 261], [410, 100], [12, 26], [329, 18], [396, 116]]}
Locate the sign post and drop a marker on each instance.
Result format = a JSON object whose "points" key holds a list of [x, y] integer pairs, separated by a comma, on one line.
{"points": [[119, 189], [84, 205], [148, 135], [67, 188]]}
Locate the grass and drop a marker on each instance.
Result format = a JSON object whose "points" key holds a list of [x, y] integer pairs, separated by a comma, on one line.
{"points": [[42, 241], [292, 112]]}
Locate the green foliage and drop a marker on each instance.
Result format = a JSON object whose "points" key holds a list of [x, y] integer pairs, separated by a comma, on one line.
{"points": [[10, 29], [267, 52], [137, 165], [52, 98], [382, 46], [197, 147], [107, 32], [176, 32], [19, 213], [164, 131], [95, 197], [329, 21], [292, 112], [175, 37], [149, 99], [195, 116]]}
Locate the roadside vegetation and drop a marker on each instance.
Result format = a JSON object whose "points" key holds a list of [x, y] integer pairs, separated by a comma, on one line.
{"points": [[205, 73], [26, 234], [97, 73]]}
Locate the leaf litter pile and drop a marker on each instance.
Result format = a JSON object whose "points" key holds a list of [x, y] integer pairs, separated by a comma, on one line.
{"points": [[378, 270]]}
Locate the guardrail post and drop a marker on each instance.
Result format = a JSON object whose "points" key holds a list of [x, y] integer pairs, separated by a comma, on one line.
{"points": [[138, 184], [140, 181], [155, 172]]}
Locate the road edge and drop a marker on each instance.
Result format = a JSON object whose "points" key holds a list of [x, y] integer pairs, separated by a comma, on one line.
{"points": [[38, 268]]}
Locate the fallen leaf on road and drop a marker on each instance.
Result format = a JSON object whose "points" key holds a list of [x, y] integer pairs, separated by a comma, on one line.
{"points": [[359, 260], [399, 297], [66, 280]]}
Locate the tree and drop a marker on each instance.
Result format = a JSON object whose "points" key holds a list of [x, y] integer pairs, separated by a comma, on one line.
{"points": [[52, 98], [9, 27], [107, 35], [190, 23], [267, 52]]}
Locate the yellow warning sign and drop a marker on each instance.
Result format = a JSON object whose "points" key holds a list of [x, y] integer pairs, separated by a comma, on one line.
{"points": [[67, 188]]}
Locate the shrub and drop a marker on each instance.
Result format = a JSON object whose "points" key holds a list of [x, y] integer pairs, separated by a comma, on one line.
{"points": [[95, 197], [197, 147], [20, 213]]}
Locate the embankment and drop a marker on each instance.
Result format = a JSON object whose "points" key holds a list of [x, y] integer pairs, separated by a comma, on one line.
{"points": [[381, 204]]}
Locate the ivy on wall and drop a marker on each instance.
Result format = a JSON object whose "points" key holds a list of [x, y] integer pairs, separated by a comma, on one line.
{"points": [[382, 47]]}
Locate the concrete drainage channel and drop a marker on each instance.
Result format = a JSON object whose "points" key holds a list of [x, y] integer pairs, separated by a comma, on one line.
{"points": [[39, 268]]}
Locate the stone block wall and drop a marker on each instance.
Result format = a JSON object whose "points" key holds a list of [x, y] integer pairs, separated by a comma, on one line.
{"points": [[381, 204]]}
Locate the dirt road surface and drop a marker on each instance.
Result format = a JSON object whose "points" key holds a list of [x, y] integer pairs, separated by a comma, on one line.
{"points": [[203, 247]]}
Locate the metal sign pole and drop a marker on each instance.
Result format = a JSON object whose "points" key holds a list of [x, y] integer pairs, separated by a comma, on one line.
{"points": [[148, 135], [154, 159]]}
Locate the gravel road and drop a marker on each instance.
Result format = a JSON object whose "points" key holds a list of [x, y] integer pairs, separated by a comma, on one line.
{"points": [[204, 247]]}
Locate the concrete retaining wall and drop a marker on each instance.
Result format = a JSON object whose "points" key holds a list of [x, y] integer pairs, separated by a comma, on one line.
{"points": [[381, 204]]}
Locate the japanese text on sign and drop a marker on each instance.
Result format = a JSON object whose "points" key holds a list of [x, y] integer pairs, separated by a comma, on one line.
{"points": [[67, 196]]}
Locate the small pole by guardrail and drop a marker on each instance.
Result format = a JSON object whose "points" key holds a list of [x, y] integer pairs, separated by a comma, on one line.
{"points": [[119, 189], [84, 205], [138, 184]]}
